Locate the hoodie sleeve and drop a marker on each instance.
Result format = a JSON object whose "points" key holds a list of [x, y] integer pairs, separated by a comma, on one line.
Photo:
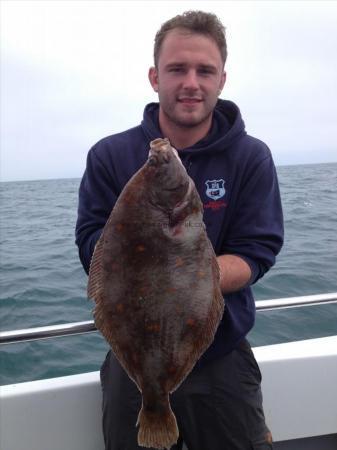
{"points": [[97, 195], [256, 231]]}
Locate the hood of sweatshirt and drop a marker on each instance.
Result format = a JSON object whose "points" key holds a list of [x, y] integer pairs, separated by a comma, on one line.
{"points": [[227, 127]]}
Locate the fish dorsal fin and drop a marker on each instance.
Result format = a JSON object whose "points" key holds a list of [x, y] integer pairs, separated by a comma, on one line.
{"points": [[95, 271]]}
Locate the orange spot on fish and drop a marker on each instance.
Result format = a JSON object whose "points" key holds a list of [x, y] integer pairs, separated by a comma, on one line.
{"points": [[140, 248], [179, 262], [172, 369], [190, 322], [143, 289], [120, 307], [201, 274], [155, 327], [119, 227], [128, 199], [171, 290]]}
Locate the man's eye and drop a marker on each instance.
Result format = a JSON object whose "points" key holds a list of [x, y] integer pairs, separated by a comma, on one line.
{"points": [[205, 71]]}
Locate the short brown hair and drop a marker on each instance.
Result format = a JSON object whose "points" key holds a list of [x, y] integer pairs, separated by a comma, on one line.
{"points": [[195, 22]]}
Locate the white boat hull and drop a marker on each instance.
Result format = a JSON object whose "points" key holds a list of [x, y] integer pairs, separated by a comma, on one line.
{"points": [[300, 401]]}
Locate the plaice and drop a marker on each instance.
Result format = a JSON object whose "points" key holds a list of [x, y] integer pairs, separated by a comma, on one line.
{"points": [[155, 281]]}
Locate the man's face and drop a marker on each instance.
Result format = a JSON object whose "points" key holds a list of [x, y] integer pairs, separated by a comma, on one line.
{"points": [[188, 79]]}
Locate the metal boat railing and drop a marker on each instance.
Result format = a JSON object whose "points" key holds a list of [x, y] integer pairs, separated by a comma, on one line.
{"points": [[70, 329]]}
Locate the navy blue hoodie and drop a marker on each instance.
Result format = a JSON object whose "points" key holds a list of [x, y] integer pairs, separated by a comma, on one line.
{"points": [[236, 178]]}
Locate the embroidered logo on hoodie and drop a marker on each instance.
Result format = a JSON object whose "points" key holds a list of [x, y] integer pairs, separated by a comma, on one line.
{"points": [[215, 190]]}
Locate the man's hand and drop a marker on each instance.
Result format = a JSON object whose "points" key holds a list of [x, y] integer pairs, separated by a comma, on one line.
{"points": [[234, 273]]}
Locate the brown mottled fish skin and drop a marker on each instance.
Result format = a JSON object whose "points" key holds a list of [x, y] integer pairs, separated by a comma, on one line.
{"points": [[155, 280]]}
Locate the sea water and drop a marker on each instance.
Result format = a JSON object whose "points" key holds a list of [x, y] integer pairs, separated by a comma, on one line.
{"points": [[43, 283]]}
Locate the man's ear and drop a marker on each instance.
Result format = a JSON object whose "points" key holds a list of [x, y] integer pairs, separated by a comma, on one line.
{"points": [[153, 78]]}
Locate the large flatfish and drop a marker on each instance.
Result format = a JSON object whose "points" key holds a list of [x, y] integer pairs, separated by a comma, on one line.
{"points": [[155, 280]]}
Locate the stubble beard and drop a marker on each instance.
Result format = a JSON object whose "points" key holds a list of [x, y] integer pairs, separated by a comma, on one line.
{"points": [[187, 122]]}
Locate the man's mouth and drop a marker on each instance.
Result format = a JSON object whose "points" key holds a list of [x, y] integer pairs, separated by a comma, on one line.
{"points": [[189, 100]]}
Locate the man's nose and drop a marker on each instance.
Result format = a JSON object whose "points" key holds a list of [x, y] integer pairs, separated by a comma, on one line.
{"points": [[191, 80]]}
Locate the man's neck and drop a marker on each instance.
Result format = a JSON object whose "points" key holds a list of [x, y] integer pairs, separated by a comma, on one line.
{"points": [[183, 137]]}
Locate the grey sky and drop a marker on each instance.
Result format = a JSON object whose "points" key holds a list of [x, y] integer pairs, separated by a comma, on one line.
{"points": [[73, 72]]}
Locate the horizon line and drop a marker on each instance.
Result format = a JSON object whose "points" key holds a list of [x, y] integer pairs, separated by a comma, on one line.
{"points": [[80, 177]]}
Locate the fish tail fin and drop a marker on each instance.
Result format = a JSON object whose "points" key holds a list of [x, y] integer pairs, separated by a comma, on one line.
{"points": [[157, 428]]}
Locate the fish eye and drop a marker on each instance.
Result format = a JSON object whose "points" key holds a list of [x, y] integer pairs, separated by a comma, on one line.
{"points": [[152, 161]]}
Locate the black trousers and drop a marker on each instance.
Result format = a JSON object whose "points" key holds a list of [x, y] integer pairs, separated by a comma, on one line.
{"points": [[217, 407]]}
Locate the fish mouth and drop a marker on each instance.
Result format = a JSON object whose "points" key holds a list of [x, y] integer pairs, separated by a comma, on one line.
{"points": [[159, 152]]}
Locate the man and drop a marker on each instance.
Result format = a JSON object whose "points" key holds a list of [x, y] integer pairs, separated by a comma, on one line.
{"points": [[219, 405]]}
